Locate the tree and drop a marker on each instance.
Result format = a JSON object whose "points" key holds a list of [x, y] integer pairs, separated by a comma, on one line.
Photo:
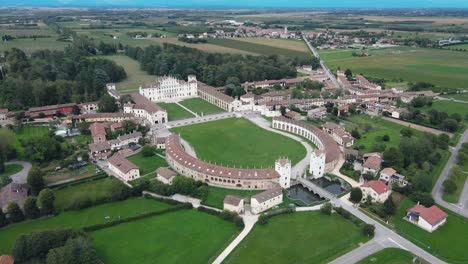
{"points": [[449, 186], [147, 151], [46, 200], [3, 220], [76, 110], [450, 125], [423, 198], [326, 209], [35, 180], [393, 157], [348, 73], [356, 195], [406, 132], [107, 104], [30, 208], [78, 250], [389, 206], [386, 138], [283, 110], [14, 213], [355, 133], [368, 230]]}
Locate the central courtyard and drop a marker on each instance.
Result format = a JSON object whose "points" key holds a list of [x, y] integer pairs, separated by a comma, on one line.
{"points": [[240, 143]]}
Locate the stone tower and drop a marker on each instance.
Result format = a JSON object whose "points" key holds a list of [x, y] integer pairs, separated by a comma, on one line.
{"points": [[317, 163], [284, 169]]}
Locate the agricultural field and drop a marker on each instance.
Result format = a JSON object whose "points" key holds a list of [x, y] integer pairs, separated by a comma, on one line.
{"points": [[208, 47], [79, 219], [459, 96], [463, 47], [445, 69], [94, 190], [169, 238], [372, 129], [449, 242], [289, 44], [135, 75], [200, 106], [147, 165], [258, 48], [449, 107], [175, 112], [22, 34], [306, 237], [389, 256], [216, 195], [240, 143]]}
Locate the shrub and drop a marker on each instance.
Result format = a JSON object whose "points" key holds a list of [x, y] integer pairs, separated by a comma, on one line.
{"points": [[326, 208], [368, 230], [148, 151], [263, 219], [14, 213], [449, 186], [356, 195], [225, 215], [30, 208], [423, 198], [46, 201], [389, 206]]}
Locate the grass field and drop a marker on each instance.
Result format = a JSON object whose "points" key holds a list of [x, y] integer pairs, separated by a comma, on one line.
{"points": [[449, 107], [147, 164], [308, 237], [185, 236], [10, 169], [289, 44], [459, 175], [216, 195], [389, 256], [239, 142], [135, 75], [259, 48], [449, 242], [446, 69], [94, 190], [175, 112], [200, 106], [79, 219], [372, 128], [460, 96], [457, 47]]}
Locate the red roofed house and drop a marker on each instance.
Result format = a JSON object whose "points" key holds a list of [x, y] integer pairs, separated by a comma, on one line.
{"points": [[6, 259], [123, 168], [428, 218], [372, 165], [377, 191]]}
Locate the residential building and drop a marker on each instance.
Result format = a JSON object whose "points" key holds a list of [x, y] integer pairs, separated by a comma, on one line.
{"points": [[145, 109], [123, 168], [372, 165], [233, 203], [428, 218], [165, 175], [390, 176], [98, 132], [293, 115], [339, 134], [266, 200], [376, 191], [223, 101]]}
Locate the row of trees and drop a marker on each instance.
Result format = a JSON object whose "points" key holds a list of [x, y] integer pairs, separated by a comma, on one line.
{"points": [[54, 77], [450, 184], [212, 68]]}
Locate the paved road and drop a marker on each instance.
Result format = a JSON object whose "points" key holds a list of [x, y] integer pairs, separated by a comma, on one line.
{"points": [[437, 191], [417, 127], [336, 171], [451, 99], [322, 63], [21, 176]]}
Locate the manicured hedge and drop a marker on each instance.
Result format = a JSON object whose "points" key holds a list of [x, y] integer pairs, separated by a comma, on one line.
{"points": [[263, 218], [226, 215]]}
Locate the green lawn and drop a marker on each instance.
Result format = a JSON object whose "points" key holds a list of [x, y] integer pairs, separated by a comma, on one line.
{"points": [[79, 219], [449, 242], [200, 106], [185, 236], [258, 48], [389, 256], [94, 190], [216, 195], [147, 164], [175, 112], [308, 237], [27, 132], [239, 142], [373, 128], [9, 170], [459, 96], [135, 75], [449, 107], [446, 69], [459, 175]]}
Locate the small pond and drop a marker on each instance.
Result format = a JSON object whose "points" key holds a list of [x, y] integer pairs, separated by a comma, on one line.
{"points": [[335, 187], [302, 195]]}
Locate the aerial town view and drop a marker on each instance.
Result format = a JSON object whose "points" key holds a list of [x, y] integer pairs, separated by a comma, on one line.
{"points": [[234, 132]]}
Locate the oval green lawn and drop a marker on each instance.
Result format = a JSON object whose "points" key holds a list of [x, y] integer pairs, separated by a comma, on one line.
{"points": [[238, 142], [389, 256]]}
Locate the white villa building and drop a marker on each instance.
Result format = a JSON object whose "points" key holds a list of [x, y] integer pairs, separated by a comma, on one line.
{"points": [[123, 168], [428, 218], [233, 203], [377, 191], [284, 168], [266, 200], [168, 87]]}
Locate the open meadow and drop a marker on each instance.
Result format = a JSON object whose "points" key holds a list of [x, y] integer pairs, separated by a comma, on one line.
{"points": [[445, 69], [177, 237], [79, 219], [302, 237], [240, 143], [449, 107]]}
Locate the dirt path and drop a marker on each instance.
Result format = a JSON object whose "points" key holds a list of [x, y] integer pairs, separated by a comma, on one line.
{"points": [[417, 127]]}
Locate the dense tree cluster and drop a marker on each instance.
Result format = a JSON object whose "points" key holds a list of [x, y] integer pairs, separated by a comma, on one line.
{"points": [[54, 77], [212, 68], [307, 89]]}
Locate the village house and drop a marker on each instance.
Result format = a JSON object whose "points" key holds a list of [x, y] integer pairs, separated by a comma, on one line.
{"points": [[317, 113], [13, 193], [390, 176], [372, 163], [233, 203], [339, 134], [428, 218], [165, 175], [376, 191], [266, 200], [123, 168], [293, 115], [160, 142], [90, 107], [98, 132], [49, 111]]}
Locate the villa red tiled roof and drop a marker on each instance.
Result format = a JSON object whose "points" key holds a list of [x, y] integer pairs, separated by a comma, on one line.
{"points": [[373, 162], [6, 259], [432, 215], [377, 186], [122, 163]]}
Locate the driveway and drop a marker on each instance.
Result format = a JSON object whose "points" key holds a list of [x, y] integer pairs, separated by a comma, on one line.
{"points": [[21, 176]]}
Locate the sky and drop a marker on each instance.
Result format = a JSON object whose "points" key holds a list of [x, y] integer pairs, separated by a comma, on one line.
{"points": [[245, 3]]}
